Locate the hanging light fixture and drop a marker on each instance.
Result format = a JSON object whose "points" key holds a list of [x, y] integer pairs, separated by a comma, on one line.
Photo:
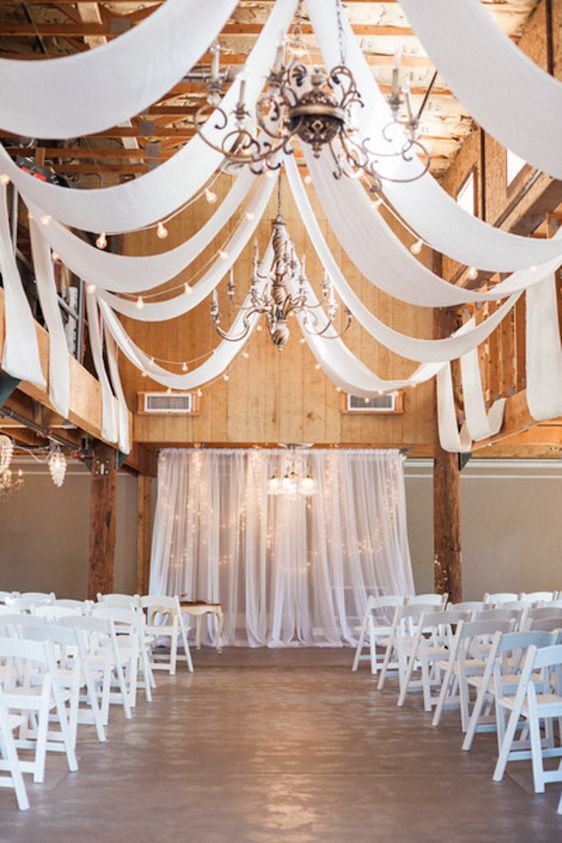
{"points": [[296, 479], [270, 296], [57, 466], [6, 452], [319, 107], [10, 482]]}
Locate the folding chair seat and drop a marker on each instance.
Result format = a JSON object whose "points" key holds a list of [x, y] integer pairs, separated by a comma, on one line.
{"points": [[535, 700], [32, 690], [130, 637], [375, 628], [431, 645], [164, 619], [501, 675], [401, 638], [467, 657], [9, 761], [102, 662]]}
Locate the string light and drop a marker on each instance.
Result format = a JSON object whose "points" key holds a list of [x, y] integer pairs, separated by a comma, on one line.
{"points": [[249, 215], [317, 366], [90, 288], [101, 241], [184, 367], [199, 393], [224, 256], [46, 219], [307, 179], [187, 289], [210, 196], [139, 304], [226, 377], [472, 273], [161, 231], [57, 466], [416, 247], [245, 354], [376, 203], [4, 179]]}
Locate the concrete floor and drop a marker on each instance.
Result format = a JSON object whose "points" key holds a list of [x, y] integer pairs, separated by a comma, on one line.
{"points": [[263, 746]]}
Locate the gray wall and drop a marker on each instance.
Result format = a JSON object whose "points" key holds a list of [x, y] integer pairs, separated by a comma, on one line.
{"points": [[511, 525], [511, 529], [44, 533]]}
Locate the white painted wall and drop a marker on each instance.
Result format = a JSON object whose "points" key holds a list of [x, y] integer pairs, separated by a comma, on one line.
{"points": [[511, 513]]}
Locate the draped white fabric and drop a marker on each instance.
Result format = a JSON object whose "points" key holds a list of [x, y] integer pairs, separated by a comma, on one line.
{"points": [[20, 355], [543, 352], [109, 409], [126, 273], [519, 103], [425, 206], [288, 571], [156, 194], [94, 90]]}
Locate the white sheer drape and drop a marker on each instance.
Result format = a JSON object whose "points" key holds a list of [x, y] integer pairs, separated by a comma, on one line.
{"points": [[288, 571]]}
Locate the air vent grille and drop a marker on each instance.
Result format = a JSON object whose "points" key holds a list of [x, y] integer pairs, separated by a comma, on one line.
{"points": [[387, 403], [163, 404]]}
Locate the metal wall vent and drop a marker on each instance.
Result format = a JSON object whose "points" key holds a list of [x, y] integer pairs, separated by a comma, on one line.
{"points": [[392, 402], [162, 404]]}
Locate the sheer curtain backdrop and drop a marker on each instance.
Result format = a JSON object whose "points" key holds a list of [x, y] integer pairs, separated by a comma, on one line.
{"points": [[289, 570]]}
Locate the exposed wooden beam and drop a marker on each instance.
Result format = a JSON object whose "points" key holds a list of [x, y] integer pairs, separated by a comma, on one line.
{"points": [[117, 24], [103, 503], [144, 531]]}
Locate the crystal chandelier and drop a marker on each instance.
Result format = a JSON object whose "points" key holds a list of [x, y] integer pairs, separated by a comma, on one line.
{"points": [[10, 482], [319, 107], [57, 466], [295, 481], [270, 296], [6, 452]]}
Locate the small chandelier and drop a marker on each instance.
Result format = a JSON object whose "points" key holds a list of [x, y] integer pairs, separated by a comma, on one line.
{"points": [[270, 296], [294, 482], [315, 105], [6, 452], [10, 482], [57, 466]]}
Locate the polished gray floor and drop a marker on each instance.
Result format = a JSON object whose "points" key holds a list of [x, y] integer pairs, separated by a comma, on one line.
{"points": [[277, 746]]}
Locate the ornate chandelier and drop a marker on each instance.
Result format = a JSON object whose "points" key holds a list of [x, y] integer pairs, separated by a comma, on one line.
{"points": [[10, 482], [270, 295], [317, 106], [57, 466]]}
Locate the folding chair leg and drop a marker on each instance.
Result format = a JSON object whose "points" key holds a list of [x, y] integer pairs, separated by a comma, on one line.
{"points": [[443, 695], [503, 756], [173, 652], [386, 662], [61, 712], [93, 702], [360, 645], [426, 684], [186, 648], [475, 717], [41, 746], [407, 679], [536, 754]]}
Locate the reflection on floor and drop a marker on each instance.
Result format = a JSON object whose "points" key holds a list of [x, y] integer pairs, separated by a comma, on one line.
{"points": [[268, 746]]}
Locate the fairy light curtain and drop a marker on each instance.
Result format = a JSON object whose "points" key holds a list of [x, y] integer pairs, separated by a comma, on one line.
{"points": [[289, 570]]}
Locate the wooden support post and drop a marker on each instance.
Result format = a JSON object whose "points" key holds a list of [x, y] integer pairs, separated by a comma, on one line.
{"points": [[144, 531], [102, 520], [447, 525]]}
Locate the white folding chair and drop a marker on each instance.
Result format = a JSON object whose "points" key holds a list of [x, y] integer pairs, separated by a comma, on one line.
{"points": [[542, 613], [467, 606], [431, 645], [54, 613], [38, 596], [375, 627], [539, 597], [84, 605], [500, 597], [119, 601], [438, 601], [100, 653], [9, 761], [536, 699], [467, 657], [164, 619], [129, 628], [31, 688], [501, 675], [403, 631]]}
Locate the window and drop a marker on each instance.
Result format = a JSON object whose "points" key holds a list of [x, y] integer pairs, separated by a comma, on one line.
{"points": [[514, 166], [466, 197]]}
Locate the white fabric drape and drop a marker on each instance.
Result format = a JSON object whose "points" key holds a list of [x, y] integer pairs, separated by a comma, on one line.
{"points": [[518, 103], [95, 90], [59, 358], [128, 274], [288, 570], [423, 204], [20, 356], [543, 352], [109, 408], [156, 194]]}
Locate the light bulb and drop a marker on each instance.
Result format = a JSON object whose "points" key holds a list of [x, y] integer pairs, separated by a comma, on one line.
{"points": [[472, 273], [90, 288], [161, 231], [376, 203], [184, 367], [258, 327], [169, 391], [143, 374], [416, 247], [317, 366], [269, 174], [187, 289], [250, 215], [226, 377], [533, 268], [199, 393], [29, 215], [4, 179], [308, 179], [45, 219], [224, 256], [210, 196], [302, 340], [139, 304], [101, 242], [338, 388], [245, 355]]}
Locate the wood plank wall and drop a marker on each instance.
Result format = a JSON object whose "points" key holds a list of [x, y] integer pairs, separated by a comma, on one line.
{"points": [[274, 396]]}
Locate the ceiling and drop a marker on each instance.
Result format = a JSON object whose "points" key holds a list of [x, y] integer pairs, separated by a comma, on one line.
{"points": [[35, 30]]}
